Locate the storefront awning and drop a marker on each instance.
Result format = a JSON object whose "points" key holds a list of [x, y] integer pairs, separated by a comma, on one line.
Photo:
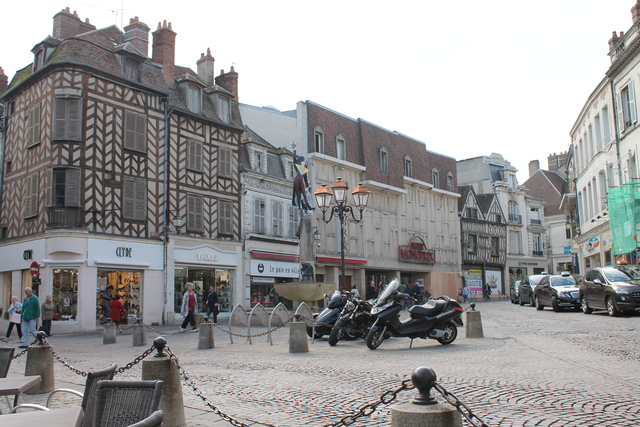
{"points": [[274, 255], [346, 260]]}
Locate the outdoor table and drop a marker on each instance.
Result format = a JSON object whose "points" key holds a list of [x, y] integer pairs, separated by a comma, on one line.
{"points": [[63, 417], [14, 386]]}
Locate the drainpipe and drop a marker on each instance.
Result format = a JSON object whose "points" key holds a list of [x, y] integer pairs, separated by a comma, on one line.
{"points": [[616, 130], [3, 138], [165, 237]]}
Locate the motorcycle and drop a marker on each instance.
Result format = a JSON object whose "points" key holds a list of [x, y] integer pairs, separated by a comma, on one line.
{"points": [[437, 319], [354, 322], [324, 321]]}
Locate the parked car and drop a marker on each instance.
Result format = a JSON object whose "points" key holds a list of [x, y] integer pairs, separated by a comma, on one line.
{"points": [[515, 295], [613, 288], [525, 292], [558, 291]]}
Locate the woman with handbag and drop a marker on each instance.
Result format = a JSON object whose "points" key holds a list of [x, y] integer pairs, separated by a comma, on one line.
{"points": [[14, 318]]}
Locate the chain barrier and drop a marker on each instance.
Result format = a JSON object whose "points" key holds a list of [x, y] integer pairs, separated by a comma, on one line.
{"points": [[461, 407], [370, 408], [190, 383], [24, 351], [165, 333], [256, 335], [135, 361]]}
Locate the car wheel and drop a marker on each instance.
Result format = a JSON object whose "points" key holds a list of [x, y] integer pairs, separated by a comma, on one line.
{"points": [[611, 308], [532, 301], [521, 302], [585, 305], [554, 304], [538, 305]]}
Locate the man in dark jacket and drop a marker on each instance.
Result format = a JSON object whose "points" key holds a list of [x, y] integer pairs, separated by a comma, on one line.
{"points": [[212, 304]]}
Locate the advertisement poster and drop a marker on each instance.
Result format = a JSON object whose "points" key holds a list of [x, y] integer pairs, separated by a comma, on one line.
{"points": [[494, 278], [473, 279]]}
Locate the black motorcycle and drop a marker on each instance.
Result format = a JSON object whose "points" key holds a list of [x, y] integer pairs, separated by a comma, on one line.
{"points": [[437, 319], [324, 321], [354, 322]]}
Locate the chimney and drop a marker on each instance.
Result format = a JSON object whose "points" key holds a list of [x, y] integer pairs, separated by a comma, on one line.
{"points": [[164, 50], [614, 40], [635, 11], [67, 25], [4, 81], [205, 67], [137, 33], [534, 166], [229, 81]]}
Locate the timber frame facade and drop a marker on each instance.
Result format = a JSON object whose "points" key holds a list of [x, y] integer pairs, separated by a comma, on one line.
{"points": [[120, 170]]}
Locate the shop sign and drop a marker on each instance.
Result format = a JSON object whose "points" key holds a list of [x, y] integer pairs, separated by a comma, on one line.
{"points": [[208, 257], [416, 251], [260, 267], [262, 280], [593, 243], [124, 252]]}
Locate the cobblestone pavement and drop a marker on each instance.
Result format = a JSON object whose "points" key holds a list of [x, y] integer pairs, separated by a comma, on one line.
{"points": [[532, 368]]}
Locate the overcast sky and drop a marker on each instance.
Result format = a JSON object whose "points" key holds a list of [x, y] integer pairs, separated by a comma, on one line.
{"points": [[466, 77]]}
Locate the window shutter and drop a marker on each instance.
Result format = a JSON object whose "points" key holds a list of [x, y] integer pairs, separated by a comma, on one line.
{"points": [[141, 133], [140, 200], [74, 121], [619, 118], [632, 102], [72, 187], [197, 156], [34, 126], [60, 119], [129, 130], [256, 216], [128, 196]]}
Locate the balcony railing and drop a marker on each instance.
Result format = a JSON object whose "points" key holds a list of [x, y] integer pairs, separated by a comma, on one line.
{"points": [[65, 216], [536, 221], [515, 219], [538, 253]]}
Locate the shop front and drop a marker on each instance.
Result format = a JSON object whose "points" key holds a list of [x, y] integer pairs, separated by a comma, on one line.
{"points": [[264, 274], [518, 269]]}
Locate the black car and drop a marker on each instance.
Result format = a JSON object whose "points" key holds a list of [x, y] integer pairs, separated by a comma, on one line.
{"points": [[558, 291], [614, 288], [526, 288], [515, 294]]}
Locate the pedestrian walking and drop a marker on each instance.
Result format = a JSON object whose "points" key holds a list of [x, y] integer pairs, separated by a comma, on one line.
{"points": [[371, 292], [212, 304], [117, 311], [14, 318], [189, 308], [487, 292], [47, 310], [465, 293], [29, 316], [105, 302], [354, 291]]}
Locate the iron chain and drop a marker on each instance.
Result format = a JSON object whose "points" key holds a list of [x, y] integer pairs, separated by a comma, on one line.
{"points": [[461, 407], [135, 361], [59, 359], [190, 383], [23, 352], [256, 335], [370, 408], [165, 333]]}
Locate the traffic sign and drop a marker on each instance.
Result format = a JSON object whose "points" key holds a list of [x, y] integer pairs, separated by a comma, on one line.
{"points": [[34, 269]]}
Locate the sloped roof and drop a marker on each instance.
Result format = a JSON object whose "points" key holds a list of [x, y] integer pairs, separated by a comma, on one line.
{"points": [[549, 186], [463, 190], [484, 202]]}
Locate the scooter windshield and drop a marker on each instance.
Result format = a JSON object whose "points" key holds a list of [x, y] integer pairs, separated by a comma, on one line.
{"points": [[387, 292]]}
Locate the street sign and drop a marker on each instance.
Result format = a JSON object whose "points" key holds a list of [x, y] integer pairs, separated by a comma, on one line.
{"points": [[34, 269]]}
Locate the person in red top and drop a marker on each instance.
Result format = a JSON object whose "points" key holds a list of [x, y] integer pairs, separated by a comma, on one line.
{"points": [[189, 308], [117, 310]]}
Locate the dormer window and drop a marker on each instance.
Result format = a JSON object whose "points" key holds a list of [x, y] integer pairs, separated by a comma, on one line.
{"points": [[193, 99], [408, 167], [37, 60], [223, 109], [132, 69]]}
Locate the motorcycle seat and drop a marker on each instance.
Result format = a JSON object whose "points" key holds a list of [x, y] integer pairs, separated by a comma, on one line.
{"points": [[430, 309]]}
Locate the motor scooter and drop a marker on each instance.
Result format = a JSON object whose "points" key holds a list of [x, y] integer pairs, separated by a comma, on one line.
{"points": [[436, 319], [323, 322]]}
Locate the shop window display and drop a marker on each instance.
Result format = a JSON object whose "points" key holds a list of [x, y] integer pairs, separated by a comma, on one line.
{"points": [[65, 294], [202, 279], [127, 285]]}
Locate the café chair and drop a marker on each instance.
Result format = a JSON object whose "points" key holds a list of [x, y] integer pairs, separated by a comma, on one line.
{"points": [[122, 403], [6, 356], [153, 420]]}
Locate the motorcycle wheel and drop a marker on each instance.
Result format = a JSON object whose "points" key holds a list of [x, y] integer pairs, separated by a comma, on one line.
{"points": [[310, 333], [453, 333], [336, 333], [375, 338]]}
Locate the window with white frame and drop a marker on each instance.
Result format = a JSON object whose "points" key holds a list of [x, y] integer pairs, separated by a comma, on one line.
{"points": [[610, 176], [30, 208], [224, 111], [194, 155], [67, 119], [435, 178], [408, 167], [628, 106], [225, 218], [225, 162], [195, 214], [293, 221], [537, 244], [277, 220], [66, 183], [33, 135], [135, 131], [606, 127], [384, 161], [259, 208], [258, 160], [598, 132], [602, 181], [318, 140], [515, 242], [340, 148], [193, 99], [449, 182], [134, 195]]}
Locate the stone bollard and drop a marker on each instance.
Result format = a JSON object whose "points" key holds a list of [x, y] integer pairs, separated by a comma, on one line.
{"points": [[161, 367], [474, 323], [298, 342], [139, 335], [205, 335], [40, 362], [109, 333], [424, 410]]}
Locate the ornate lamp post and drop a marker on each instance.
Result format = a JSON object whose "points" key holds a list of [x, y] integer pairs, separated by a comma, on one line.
{"points": [[341, 209]]}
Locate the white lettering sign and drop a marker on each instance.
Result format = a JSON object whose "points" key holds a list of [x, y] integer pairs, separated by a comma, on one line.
{"points": [[207, 257]]}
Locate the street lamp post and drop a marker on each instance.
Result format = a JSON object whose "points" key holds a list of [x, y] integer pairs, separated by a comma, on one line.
{"points": [[341, 210]]}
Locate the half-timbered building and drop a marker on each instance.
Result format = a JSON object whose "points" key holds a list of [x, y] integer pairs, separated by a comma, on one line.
{"points": [[120, 175]]}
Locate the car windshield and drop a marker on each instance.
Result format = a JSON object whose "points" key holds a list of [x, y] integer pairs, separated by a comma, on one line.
{"points": [[632, 271], [563, 282], [615, 275], [535, 280]]}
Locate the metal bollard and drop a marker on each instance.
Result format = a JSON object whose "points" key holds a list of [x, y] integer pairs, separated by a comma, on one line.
{"points": [[205, 335], [40, 362], [161, 367], [298, 342], [474, 323], [109, 332], [424, 410], [139, 335]]}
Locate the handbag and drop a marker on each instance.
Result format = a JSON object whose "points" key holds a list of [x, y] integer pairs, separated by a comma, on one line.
{"points": [[15, 318]]}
